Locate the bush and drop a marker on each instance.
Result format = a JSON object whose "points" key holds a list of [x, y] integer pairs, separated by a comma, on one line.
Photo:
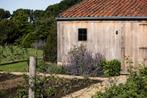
{"points": [[50, 49], [1, 94], [22, 93], [50, 68], [135, 87], [111, 68], [55, 69], [41, 66], [82, 62]]}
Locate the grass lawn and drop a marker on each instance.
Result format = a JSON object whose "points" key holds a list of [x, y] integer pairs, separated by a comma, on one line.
{"points": [[16, 67]]}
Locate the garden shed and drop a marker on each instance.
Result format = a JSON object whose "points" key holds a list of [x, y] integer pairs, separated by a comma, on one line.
{"points": [[115, 28]]}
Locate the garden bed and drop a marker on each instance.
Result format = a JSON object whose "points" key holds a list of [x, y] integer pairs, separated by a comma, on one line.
{"points": [[9, 84], [54, 87]]}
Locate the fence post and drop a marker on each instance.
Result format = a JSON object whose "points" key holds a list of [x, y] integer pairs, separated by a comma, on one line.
{"points": [[32, 72]]}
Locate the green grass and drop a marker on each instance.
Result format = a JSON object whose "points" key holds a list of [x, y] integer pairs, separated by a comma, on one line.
{"points": [[17, 67]]}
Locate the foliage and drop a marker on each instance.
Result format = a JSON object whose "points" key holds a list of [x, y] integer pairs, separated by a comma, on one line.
{"points": [[16, 53], [80, 61], [135, 87], [23, 19], [2, 94], [26, 26], [8, 32], [55, 9], [50, 49], [50, 68], [111, 68], [4, 14], [56, 69], [52, 12]]}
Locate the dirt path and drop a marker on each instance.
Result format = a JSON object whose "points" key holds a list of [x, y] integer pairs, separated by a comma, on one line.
{"points": [[58, 75]]}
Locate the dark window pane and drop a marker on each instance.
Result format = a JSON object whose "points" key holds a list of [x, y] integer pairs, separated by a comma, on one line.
{"points": [[82, 34]]}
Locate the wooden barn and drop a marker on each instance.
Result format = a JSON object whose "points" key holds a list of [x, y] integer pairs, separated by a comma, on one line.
{"points": [[114, 28]]}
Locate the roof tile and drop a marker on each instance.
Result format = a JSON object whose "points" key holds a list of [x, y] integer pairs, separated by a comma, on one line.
{"points": [[107, 8]]}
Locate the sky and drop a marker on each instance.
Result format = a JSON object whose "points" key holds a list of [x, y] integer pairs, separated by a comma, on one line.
{"points": [[13, 5]]}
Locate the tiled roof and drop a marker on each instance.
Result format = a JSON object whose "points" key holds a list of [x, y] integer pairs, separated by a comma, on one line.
{"points": [[107, 8]]}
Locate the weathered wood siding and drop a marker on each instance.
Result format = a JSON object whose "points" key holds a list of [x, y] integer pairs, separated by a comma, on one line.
{"points": [[131, 40]]}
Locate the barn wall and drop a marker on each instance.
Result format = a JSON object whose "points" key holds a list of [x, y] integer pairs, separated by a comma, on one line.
{"points": [[131, 40]]}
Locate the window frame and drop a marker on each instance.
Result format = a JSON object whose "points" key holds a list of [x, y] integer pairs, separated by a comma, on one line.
{"points": [[82, 34]]}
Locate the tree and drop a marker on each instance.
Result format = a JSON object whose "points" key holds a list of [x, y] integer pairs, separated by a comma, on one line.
{"points": [[8, 33], [54, 10], [23, 20], [4, 14], [38, 14], [27, 26], [50, 49]]}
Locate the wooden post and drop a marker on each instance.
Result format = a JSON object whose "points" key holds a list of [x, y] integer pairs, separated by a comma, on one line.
{"points": [[32, 68]]}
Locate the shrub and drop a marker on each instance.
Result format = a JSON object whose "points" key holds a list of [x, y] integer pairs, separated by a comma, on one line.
{"points": [[111, 68], [1, 94], [22, 93], [135, 87], [50, 68], [82, 62], [50, 49], [55, 69], [41, 66]]}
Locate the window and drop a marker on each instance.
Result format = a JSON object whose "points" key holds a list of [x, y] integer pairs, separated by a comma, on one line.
{"points": [[82, 34]]}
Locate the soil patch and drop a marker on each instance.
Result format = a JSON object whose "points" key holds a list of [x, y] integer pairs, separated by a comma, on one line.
{"points": [[4, 77], [9, 84]]}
